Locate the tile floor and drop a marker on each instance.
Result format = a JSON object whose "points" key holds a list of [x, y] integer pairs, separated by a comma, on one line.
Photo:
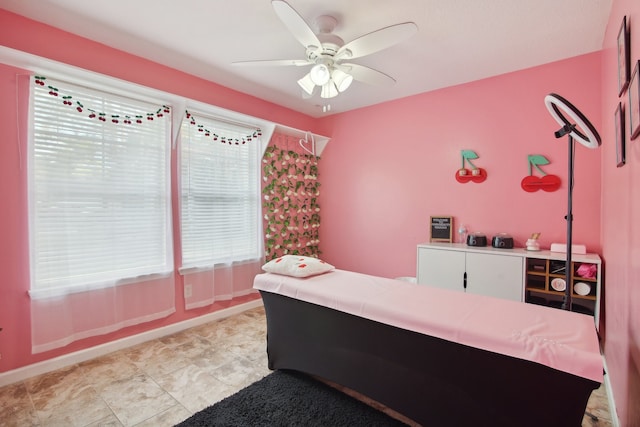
{"points": [[161, 382]]}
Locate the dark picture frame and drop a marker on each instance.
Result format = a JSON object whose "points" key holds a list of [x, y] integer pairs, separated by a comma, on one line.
{"points": [[634, 102], [620, 143], [624, 68]]}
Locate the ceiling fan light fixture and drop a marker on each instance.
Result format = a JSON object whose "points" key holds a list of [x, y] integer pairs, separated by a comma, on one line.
{"points": [[320, 74], [341, 79], [329, 90], [307, 84]]}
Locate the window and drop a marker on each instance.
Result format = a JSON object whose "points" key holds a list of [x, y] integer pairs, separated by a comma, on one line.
{"points": [[220, 218], [99, 188]]}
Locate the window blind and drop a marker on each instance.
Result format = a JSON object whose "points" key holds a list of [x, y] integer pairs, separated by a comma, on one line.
{"points": [[99, 191], [220, 194]]}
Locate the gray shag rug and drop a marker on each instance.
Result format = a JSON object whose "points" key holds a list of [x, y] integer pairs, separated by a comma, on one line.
{"points": [[287, 398]]}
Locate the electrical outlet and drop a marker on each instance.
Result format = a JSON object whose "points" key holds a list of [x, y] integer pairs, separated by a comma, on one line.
{"points": [[188, 291]]}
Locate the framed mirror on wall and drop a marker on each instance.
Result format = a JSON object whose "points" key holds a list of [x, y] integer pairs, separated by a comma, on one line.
{"points": [[620, 143], [623, 57], [634, 102]]}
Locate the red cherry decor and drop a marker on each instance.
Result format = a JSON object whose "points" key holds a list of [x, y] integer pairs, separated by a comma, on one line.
{"points": [[92, 114], [475, 174], [467, 175], [222, 139], [533, 183], [546, 183]]}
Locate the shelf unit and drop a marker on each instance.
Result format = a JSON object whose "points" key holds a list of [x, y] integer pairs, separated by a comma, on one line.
{"points": [[541, 272]]}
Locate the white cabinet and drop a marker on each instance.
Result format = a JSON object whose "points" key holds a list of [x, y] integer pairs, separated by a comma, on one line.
{"points": [[442, 269], [494, 275], [484, 271]]}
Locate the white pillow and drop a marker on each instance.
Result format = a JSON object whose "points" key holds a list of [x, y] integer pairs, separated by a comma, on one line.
{"points": [[297, 266]]}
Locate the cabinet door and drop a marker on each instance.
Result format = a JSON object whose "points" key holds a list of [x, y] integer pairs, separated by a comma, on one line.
{"points": [[495, 275], [441, 268]]}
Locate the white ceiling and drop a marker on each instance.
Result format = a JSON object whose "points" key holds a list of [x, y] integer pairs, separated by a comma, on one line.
{"points": [[457, 41]]}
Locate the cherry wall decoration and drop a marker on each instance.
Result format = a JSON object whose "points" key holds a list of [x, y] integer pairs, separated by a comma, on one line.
{"points": [[469, 172], [474, 174], [546, 182]]}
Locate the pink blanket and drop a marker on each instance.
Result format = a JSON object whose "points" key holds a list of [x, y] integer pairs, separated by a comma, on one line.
{"points": [[559, 339]]}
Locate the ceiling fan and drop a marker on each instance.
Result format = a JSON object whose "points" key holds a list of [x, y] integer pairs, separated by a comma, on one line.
{"points": [[326, 52]]}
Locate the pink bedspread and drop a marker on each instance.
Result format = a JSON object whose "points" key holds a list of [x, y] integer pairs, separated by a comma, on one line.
{"points": [[559, 339]]}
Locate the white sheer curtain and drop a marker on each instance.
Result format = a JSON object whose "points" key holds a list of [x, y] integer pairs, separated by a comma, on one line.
{"points": [[99, 212], [220, 213]]}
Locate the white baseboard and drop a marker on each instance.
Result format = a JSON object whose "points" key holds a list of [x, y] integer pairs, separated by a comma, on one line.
{"points": [[612, 404], [43, 367]]}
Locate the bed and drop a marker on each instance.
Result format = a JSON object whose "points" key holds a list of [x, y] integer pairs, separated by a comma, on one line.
{"points": [[439, 357]]}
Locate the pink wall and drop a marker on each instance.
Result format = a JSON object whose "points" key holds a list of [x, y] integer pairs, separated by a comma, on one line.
{"points": [[388, 168], [620, 228], [15, 338], [42, 40]]}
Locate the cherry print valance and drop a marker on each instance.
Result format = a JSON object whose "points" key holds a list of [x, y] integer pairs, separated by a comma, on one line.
{"points": [[231, 137], [219, 135], [114, 117]]}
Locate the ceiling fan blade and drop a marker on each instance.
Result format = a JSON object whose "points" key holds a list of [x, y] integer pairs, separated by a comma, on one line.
{"points": [[377, 40], [367, 75], [274, 62], [296, 24]]}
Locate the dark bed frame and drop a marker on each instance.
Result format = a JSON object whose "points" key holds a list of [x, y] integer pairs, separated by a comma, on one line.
{"points": [[429, 380]]}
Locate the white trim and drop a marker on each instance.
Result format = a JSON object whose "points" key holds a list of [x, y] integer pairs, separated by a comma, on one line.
{"points": [[43, 367], [319, 141], [83, 77], [612, 404]]}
